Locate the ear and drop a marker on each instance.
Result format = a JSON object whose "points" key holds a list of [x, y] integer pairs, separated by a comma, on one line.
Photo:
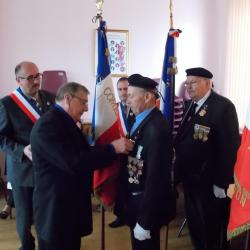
{"points": [[67, 98], [147, 97]]}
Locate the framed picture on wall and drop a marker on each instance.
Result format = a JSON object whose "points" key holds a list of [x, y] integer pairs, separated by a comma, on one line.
{"points": [[118, 42]]}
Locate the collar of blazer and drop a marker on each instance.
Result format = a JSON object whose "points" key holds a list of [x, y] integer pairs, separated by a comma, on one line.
{"points": [[136, 133]]}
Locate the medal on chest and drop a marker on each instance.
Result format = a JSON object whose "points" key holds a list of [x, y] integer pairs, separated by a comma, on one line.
{"points": [[135, 166]]}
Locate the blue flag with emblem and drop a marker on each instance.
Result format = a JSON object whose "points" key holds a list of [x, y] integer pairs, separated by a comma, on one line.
{"points": [[167, 85]]}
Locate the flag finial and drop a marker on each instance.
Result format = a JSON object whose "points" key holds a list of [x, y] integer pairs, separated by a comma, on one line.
{"points": [[98, 16]]}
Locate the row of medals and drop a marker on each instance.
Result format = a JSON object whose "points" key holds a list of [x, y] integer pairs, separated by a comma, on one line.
{"points": [[135, 167], [201, 132]]}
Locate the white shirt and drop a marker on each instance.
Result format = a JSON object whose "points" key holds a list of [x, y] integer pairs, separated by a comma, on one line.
{"points": [[202, 100]]}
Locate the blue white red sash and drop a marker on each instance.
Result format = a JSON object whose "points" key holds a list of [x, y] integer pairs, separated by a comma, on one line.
{"points": [[25, 106], [122, 120]]}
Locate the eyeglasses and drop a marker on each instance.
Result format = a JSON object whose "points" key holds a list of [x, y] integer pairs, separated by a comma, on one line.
{"points": [[32, 78], [192, 83], [83, 101]]}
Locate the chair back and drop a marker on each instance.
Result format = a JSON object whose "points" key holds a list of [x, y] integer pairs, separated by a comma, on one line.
{"points": [[53, 79]]}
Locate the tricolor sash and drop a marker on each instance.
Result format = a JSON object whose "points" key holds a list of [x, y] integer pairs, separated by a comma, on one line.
{"points": [[122, 120], [25, 106]]}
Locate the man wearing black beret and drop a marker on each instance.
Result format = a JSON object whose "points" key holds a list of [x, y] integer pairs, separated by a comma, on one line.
{"points": [[146, 189], [206, 146]]}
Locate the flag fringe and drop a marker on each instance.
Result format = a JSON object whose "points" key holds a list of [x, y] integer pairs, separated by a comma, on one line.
{"points": [[238, 231]]}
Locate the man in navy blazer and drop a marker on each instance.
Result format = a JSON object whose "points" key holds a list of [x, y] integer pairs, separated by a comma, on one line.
{"points": [[64, 164], [18, 113]]}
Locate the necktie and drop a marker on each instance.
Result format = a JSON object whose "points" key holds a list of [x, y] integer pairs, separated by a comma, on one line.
{"points": [[125, 109], [35, 103], [189, 114], [192, 109]]}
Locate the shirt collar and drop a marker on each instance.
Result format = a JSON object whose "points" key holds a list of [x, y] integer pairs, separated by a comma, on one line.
{"points": [[203, 99]]}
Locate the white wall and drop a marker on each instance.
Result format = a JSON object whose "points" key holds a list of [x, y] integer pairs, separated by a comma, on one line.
{"points": [[59, 34]]}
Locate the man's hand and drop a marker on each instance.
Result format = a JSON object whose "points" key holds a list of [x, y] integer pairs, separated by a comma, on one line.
{"points": [[140, 233], [123, 145], [27, 152], [231, 190], [219, 192]]}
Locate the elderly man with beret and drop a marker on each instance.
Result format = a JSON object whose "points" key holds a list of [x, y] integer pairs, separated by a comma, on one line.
{"points": [[206, 147], [147, 195]]}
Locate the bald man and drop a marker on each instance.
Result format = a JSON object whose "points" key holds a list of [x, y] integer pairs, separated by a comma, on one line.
{"points": [[18, 113]]}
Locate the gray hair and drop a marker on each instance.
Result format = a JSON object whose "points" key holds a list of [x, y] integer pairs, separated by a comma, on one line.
{"points": [[70, 88], [20, 65]]}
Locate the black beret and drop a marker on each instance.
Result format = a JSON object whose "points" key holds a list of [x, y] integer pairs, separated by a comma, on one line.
{"points": [[199, 72], [137, 80]]}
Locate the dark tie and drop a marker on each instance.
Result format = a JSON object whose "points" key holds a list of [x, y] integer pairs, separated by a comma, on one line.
{"points": [[189, 114], [192, 109], [35, 103], [125, 109]]}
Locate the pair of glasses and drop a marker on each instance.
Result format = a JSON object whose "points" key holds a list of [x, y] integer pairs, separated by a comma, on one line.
{"points": [[192, 83], [83, 101], [32, 78]]}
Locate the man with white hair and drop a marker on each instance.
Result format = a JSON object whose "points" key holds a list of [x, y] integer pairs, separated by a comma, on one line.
{"points": [[206, 147]]}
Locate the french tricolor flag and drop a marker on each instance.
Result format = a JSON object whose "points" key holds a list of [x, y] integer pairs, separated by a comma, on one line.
{"points": [[104, 123]]}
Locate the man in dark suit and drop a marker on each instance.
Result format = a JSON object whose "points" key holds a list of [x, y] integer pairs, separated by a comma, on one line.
{"points": [[206, 147], [126, 119], [147, 196], [64, 164], [18, 112]]}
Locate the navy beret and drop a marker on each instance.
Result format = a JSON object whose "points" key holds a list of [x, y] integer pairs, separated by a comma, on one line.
{"points": [[137, 80], [199, 72]]}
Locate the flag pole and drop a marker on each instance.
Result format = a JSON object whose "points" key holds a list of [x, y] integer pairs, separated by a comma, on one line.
{"points": [[173, 72], [171, 22], [171, 14], [98, 17]]}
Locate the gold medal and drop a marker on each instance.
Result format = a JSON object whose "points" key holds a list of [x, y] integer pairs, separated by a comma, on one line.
{"points": [[205, 138], [200, 134], [202, 112], [130, 180]]}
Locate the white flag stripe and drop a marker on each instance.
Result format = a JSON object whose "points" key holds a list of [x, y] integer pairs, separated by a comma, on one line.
{"points": [[105, 101]]}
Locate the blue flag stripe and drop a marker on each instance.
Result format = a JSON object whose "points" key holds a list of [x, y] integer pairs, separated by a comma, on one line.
{"points": [[169, 80], [103, 68]]}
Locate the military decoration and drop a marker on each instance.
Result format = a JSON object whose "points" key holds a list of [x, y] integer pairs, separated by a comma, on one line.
{"points": [[135, 166], [203, 111], [201, 132]]}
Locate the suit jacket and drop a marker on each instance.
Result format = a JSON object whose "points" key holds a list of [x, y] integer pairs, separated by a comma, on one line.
{"points": [[150, 201], [206, 146], [15, 128], [63, 163]]}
